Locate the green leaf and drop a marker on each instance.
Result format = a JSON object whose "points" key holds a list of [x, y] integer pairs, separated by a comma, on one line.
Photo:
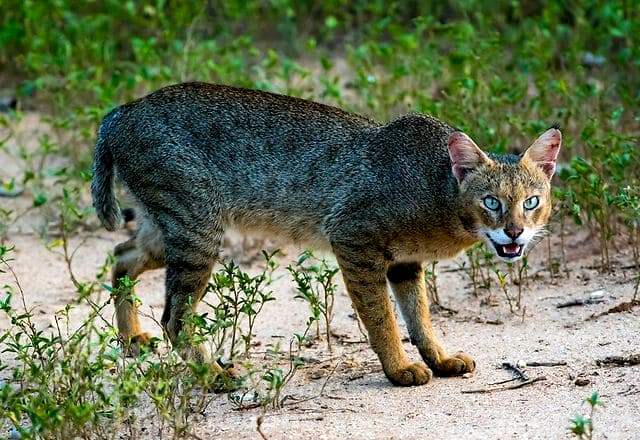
{"points": [[331, 22], [39, 199]]}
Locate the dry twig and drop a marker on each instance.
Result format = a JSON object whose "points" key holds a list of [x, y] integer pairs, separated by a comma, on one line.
{"points": [[320, 394], [546, 364], [619, 361], [259, 421], [580, 302], [508, 387], [626, 306]]}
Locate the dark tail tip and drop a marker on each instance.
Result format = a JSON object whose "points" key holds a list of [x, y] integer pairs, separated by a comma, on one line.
{"points": [[104, 199]]}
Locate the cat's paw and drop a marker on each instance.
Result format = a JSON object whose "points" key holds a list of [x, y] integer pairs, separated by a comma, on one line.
{"points": [[456, 365], [219, 377], [410, 375], [138, 344], [226, 381]]}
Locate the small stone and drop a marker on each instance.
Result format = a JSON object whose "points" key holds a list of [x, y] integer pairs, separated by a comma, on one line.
{"points": [[582, 382], [467, 375], [597, 294]]}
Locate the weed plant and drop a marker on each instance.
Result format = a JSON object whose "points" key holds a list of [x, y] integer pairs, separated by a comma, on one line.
{"points": [[582, 427], [314, 280]]}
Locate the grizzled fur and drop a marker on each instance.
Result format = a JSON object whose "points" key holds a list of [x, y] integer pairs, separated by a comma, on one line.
{"points": [[200, 159]]}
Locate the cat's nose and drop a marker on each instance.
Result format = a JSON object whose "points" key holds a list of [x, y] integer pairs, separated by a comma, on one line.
{"points": [[513, 232]]}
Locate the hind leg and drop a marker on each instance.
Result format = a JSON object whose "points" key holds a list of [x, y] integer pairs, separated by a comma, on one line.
{"points": [[186, 285], [190, 259], [131, 261], [189, 218]]}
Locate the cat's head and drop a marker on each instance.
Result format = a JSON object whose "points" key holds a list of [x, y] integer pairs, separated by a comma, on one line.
{"points": [[505, 199]]}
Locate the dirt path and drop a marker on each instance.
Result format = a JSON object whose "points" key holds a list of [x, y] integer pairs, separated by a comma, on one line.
{"points": [[358, 401]]}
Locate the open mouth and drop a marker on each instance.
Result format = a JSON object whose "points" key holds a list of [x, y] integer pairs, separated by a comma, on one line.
{"points": [[511, 250]]}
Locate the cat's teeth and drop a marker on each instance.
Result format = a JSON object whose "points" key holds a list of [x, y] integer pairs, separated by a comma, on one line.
{"points": [[511, 248]]}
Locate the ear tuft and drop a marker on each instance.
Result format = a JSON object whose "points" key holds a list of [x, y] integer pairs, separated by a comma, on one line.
{"points": [[465, 155], [544, 151]]}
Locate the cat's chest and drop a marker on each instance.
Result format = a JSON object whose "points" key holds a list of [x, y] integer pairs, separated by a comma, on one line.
{"points": [[431, 246]]}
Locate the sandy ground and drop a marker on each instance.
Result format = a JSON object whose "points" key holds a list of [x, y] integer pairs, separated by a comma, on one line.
{"points": [[358, 401]]}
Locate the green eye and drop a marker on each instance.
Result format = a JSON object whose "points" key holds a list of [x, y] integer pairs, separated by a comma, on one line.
{"points": [[491, 203], [531, 202]]}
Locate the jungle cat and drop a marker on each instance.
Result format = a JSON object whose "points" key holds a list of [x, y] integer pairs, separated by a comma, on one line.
{"points": [[384, 198]]}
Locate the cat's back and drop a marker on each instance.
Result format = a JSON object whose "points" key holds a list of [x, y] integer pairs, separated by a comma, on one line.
{"points": [[231, 130], [413, 147], [187, 105]]}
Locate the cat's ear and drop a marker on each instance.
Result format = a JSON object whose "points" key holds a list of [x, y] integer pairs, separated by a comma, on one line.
{"points": [[465, 155], [544, 151]]}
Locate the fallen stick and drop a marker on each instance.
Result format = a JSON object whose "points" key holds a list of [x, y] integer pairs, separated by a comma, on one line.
{"points": [[259, 421], [349, 341], [580, 302], [505, 388], [630, 266], [546, 364], [488, 321], [307, 399], [453, 269], [626, 306], [620, 361], [503, 381], [438, 308]]}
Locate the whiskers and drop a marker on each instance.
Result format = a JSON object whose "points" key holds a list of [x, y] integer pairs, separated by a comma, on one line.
{"points": [[537, 237]]}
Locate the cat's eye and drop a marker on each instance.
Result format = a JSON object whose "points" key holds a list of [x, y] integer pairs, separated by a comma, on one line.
{"points": [[491, 203], [531, 202]]}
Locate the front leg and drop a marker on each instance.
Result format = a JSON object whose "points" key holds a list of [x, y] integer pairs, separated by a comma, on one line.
{"points": [[364, 276], [408, 284]]}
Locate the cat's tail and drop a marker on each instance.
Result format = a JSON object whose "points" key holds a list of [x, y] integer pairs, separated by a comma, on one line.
{"points": [[102, 186]]}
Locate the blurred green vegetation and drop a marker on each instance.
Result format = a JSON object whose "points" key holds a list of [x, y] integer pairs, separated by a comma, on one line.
{"points": [[495, 68], [501, 70]]}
